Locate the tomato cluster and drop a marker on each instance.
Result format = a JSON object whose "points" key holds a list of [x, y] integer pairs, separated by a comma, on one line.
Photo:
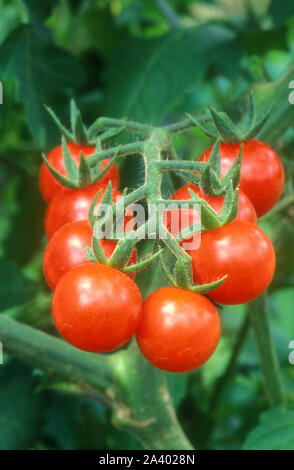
{"points": [[98, 308]]}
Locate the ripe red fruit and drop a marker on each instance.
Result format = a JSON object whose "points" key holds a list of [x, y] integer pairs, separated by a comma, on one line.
{"points": [[244, 253], [70, 205], [49, 186], [262, 173], [66, 249], [187, 217], [96, 308], [179, 329]]}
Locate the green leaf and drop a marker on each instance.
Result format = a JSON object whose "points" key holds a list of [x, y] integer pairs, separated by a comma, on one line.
{"points": [[14, 287], [20, 407], [148, 76], [282, 114], [280, 11], [275, 431], [45, 74]]}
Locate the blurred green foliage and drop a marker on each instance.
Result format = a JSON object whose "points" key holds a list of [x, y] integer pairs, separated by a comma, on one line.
{"points": [[151, 61]]}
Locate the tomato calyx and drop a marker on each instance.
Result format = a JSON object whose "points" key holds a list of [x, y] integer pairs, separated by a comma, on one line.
{"points": [[126, 240], [181, 275], [82, 175], [221, 126]]}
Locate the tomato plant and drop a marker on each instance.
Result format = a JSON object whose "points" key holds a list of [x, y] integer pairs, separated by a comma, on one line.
{"points": [[124, 98]]}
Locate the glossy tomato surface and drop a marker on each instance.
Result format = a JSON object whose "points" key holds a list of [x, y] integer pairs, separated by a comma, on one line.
{"points": [[244, 253], [70, 205], [50, 186], [179, 330], [96, 308], [66, 249], [262, 173]]}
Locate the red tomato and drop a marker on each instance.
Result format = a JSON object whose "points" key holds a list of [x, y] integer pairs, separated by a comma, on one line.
{"points": [[243, 252], [179, 329], [262, 173], [66, 249], [96, 308], [50, 186], [70, 205], [187, 217]]}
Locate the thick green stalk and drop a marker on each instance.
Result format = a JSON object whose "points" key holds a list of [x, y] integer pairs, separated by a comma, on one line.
{"points": [[135, 390], [259, 317]]}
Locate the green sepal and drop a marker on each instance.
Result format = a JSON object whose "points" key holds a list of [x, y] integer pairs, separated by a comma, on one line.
{"points": [[188, 232], [90, 254], [204, 288], [60, 178], [69, 163], [91, 217], [209, 218], [144, 263], [98, 146], [98, 174], [122, 253], [108, 195], [210, 183], [258, 124], [191, 177], [249, 117], [112, 132], [231, 206], [234, 173], [183, 273], [78, 128], [226, 129], [63, 130], [210, 133], [98, 251], [85, 178], [215, 159]]}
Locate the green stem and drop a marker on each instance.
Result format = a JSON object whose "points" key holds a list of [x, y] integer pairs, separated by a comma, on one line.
{"points": [[221, 383], [259, 317], [105, 123], [185, 125], [120, 150], [283, 204], [125, 381]]}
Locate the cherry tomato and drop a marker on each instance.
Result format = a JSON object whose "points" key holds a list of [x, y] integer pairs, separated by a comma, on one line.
{"points": [[262, 173], [96, 308], [179, 329], [66, 249], [50, 186], [244, 253], [178, 219], [70, 205]]}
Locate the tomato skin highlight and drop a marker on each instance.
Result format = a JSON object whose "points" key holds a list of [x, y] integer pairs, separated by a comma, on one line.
{"points": [[71, 205], [243, 252], [179, 330], [262, 172], [49, 185], [96, 308], [66, 250]]}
